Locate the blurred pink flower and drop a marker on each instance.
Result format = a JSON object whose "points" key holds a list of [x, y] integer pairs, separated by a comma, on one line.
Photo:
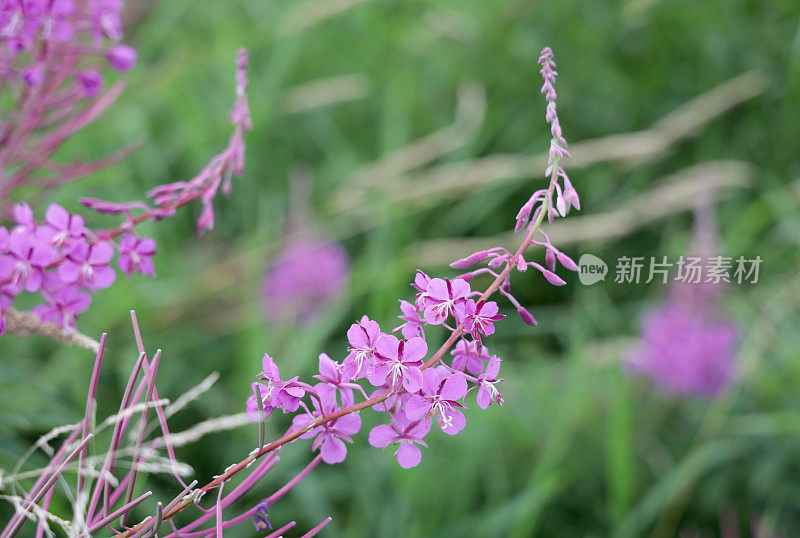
{"points": [[685, 347], [685, 351], [305, 277]]}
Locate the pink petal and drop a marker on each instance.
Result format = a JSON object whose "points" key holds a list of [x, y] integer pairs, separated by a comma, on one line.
{"points": [[348, 424], [104, 276], [377, 374], [327, 367], [460, 288], [408, 454], [57, 216], [146, 246], [33, 281], [146, 267], [437, 289], [484, 397], [430, 381], [101, 253], [333, 450], [414, 350], [417, 407], [412, 379], [457, 422], [356, 335], [373, 329], [420, 429], [387, 346], [454, 388], [380, 436], [489, 309], [493, 368], [69, 271]]}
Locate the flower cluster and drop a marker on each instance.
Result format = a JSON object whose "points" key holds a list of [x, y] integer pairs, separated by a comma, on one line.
{"points": [[305, 277], [413, 392], [38, 34], [64, 261], [52, 57], [419, 394], [686, 348]]}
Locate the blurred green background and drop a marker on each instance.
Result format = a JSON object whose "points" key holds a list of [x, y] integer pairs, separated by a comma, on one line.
{"points": [[365, 95]]}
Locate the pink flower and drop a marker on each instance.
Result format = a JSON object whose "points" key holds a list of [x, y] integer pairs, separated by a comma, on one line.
{"points": [[469, 356], [400, 363], [363, 338], [23, 216], [252, 403], [305, 278], [685, 350], [136, 254], [282, 394], [479, 318], [442, 297], [404, 433], [439, 396], [88, 265], [63, 306], [330, 437], [60, 228], [413, 321], [330, 372], [28, 257], [487, 392]]}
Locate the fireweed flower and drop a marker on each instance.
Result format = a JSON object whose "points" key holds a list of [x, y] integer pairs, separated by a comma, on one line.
{"points": [[88, 265], [63, 305], [413, 321], [28, 257], [252, 403], [282, 394], [363, 338], [61, 228], [487, 392], [405, 434], [398, 363], [306, 276], [479, 319], [439, 397], [686, 352], [330, 372], [470, 356], [442, 297], [685, 348], [136, 254], [329, 438]]}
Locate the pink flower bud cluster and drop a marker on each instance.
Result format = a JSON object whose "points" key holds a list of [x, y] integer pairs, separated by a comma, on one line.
{"points": [[566, 195], [218, 173], [53, 54], [63, 261], [500, 257], [39, 36]]}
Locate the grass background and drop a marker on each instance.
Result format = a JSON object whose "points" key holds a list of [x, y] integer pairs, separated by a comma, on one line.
{"points": [[580, 448]]}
